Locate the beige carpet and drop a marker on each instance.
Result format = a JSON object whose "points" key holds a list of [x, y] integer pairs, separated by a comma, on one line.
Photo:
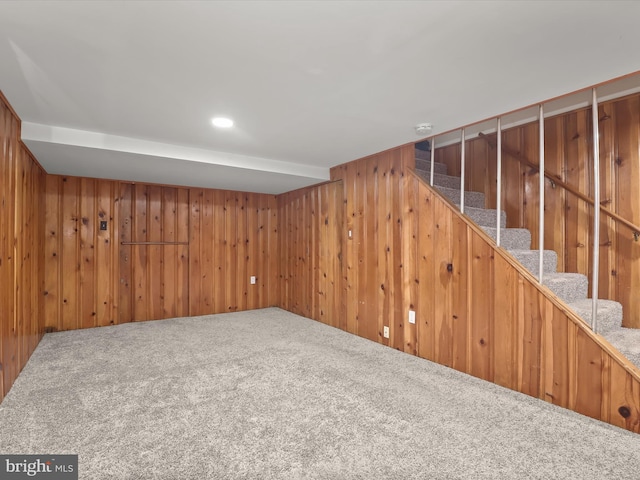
{"points": [[267, 394]]}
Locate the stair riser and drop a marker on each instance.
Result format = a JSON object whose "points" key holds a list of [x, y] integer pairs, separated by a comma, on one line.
{"points": [[485, 217], [446, 181], [423, 154], [511, 238], [425, 165], [531, 261], [609, 314], [568, 289], [471, 199], [440, 180]]}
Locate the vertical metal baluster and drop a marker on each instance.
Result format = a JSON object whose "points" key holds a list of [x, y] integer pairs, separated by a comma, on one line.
{"points": [[433, 159], [462, 171], [596, 212], [541, 189], [499, 181]]}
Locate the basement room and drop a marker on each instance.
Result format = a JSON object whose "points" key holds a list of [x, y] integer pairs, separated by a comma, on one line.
{"points": [[287, 239]]}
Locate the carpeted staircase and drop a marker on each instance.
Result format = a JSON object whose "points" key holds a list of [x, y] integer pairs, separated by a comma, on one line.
{"points": [[569, 287]]}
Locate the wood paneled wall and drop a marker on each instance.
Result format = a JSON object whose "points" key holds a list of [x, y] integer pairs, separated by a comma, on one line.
{"points": [[475, 311], [234, 235], [185, 252], [81, 261], [568, 220], [478, 313], [311, 250], [21, 241], [154, 252], [372, 256]]}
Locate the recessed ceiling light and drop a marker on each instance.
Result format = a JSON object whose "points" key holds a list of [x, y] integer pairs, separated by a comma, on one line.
{"points": [[222, 122]]}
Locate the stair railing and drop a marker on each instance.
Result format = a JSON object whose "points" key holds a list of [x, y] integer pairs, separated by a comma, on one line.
{"points": [[462, 168], [500, 148], [555, 181], [596, 211], [499, 179], [541, 193], [433, 160]]}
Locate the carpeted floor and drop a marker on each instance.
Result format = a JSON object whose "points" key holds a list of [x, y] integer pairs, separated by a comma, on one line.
{"points": [[267, 394]]}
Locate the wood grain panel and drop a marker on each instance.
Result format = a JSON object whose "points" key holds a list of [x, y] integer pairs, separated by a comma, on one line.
{"points": [[231, 237], [106, 282], [578, 163], [22, 241], [310, 241], [377, 226], [627, 153]]}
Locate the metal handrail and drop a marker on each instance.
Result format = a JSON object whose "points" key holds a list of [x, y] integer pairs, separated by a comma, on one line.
{"points": [[556, 181]]}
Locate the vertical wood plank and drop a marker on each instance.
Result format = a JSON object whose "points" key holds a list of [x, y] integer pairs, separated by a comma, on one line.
{"points": [[195, 270], [53, 253], [170, 254], [627, 121], [183, 230], [505, 296], [104, 247], [125, 293], [141, 290], [231, 214], [219, 245], [481, 311], [87, 226], [70, 261], [459, 319]]}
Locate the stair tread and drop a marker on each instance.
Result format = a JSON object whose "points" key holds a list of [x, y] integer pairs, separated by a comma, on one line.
{"points": [[529, 251], [563, 276]]}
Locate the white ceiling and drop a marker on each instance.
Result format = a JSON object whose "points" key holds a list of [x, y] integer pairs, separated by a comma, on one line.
{"points": [[126, 90]]}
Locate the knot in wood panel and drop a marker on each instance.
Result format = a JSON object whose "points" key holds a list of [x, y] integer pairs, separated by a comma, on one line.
{"points": [[624, 412]]}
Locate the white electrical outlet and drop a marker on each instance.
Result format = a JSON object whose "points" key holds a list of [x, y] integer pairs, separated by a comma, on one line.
{"points": [[350, 234], [253, 280], [412, 316], [385, 332]]}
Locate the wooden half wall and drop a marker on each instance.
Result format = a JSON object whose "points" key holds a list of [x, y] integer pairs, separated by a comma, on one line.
{"points": [[481, 313], [21, 247]]}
